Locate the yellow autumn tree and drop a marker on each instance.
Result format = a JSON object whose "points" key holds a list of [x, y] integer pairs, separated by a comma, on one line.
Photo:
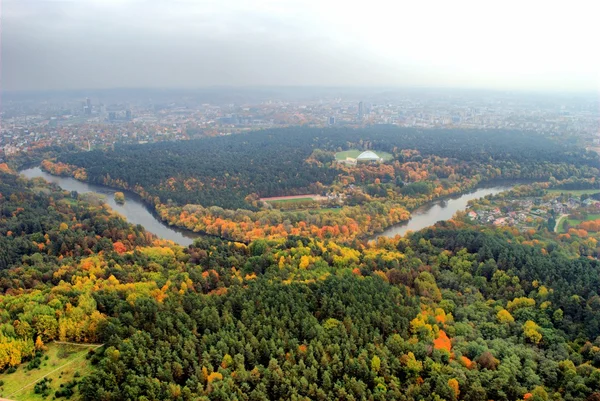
{"points": [[518, 303], [505, 317], [531, 331], [214, 376], [453, 384]]}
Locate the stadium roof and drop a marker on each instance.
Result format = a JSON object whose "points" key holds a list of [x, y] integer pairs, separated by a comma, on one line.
{"points": [[368, 155]]}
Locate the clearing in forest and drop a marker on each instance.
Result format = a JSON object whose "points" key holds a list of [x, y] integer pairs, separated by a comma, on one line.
{"points": [[65, 363]]}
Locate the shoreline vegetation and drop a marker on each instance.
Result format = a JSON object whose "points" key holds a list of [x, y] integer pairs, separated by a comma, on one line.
{"points": [[221, 194], [119, 197], [299, 198]]}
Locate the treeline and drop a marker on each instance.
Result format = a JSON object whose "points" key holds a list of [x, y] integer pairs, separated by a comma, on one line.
{"points": [[223, 171]]}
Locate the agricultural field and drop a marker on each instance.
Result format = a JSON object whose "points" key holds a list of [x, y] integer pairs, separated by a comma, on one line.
{"points": [[60, 365], [355, 152]]}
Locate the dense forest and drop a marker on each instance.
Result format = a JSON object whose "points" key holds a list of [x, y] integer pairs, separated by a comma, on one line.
{"points": [[214, 185], [455, 312], [223, 171]]}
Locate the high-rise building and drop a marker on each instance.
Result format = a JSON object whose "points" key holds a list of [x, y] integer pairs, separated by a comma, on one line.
{"points": [[128, 115], [331, 120], [88, 106], [361, 110]]}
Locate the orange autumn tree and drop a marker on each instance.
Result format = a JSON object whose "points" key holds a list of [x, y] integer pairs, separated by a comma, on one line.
{"points": [[442, 341], [119, 247], [467, 362]]}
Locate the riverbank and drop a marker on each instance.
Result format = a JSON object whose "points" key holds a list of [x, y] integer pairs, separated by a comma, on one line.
{"points": [[137, 211], [440, 210]]}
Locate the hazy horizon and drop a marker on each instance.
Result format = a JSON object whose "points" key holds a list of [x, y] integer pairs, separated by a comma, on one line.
{"points": [[196, 45]]}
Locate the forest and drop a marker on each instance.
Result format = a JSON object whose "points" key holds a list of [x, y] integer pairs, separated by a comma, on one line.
{"points": [[454, 312], [223, 171], [221, 195]]}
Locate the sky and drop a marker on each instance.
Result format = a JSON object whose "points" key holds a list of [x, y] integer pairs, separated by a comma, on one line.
{"points": [[535, 45]]}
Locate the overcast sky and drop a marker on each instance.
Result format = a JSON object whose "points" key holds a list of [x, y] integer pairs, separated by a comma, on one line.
{"points": [[508, 44]]}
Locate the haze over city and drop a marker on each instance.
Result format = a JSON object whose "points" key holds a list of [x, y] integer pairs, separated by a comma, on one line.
{"points": [[534, 45]]}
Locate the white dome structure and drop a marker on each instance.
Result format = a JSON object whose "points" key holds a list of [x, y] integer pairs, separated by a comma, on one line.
{"points": [[368, 156]]}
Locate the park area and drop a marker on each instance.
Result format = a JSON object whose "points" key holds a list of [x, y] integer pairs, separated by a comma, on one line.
{"points": [[58, 374], [566, 221]]}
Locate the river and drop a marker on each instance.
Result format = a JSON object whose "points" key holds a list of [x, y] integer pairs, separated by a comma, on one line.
{"points": [[134, 209], [137, 212], [429, 214]]}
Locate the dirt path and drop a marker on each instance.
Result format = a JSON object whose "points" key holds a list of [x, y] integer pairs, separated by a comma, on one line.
{"points": [[94, 346], [560, 219], [78, 344]]}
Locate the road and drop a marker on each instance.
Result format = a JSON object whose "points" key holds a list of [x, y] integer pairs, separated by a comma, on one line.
{"points": [[558, 221]]}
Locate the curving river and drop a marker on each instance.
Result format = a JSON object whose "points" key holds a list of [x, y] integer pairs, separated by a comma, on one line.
{"points": [[429, 214], [134, 209], [137, 212]]}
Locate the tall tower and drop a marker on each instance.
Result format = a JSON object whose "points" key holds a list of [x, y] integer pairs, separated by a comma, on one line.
{"points": [[88, 105], [361, 110]]}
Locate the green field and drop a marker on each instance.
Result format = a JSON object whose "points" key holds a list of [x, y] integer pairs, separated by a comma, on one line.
{"points": [[62, 364], [575, 222], [574, 192], [293, 200], [334, 210], [355, 152]]}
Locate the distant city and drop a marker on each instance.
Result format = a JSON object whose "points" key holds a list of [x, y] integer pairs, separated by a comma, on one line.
{"points": [[111, 117]]}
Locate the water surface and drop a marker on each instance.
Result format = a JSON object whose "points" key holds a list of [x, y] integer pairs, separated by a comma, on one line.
{"points": [[137, 212], [429, 214], [134, 209]]}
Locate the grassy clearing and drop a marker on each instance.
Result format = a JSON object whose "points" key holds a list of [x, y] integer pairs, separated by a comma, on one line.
{"points": [[69, 201], [20, 385], [574, 192], [355, 152], [559, 224], [335, 210], [575, 222], [293, 200]]}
